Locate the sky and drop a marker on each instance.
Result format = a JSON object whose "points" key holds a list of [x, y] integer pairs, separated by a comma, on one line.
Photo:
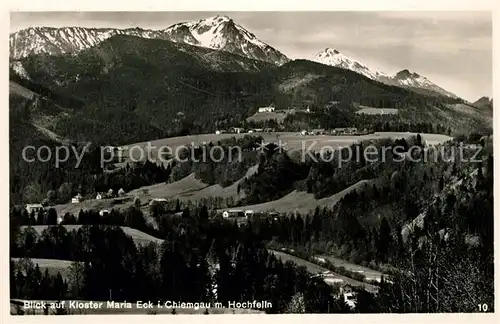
{"points": [[451, 48]]}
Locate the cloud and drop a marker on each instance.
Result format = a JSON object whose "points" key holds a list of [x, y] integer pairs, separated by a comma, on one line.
{"points": [[450, 16]]}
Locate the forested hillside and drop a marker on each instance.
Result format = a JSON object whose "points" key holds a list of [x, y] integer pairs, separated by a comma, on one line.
{"points": [[130, 89]]}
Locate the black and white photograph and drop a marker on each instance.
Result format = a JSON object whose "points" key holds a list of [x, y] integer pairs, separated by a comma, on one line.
{"points": [[250, 162]]}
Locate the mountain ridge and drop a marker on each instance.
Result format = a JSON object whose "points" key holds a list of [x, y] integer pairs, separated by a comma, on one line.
{"points": [[218, 32], [484, 103], [147, 82], [403, 78]]}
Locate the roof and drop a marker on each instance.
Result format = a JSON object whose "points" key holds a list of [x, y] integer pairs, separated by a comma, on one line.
{"points": [[159, 199], [34, 205]]}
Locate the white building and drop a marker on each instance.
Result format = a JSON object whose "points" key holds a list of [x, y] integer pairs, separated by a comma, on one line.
{"points": [[76, 199], [98, 196], [238, 130], [157, 201], [103, 212], [266, 109], [233, 213]]}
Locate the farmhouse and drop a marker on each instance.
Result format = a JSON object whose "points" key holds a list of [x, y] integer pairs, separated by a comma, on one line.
{"points": [[157, 201], [232, 213], [76, 199], [344, 131], [318, 131], [33, 208], [349, 295], [98, 196], [266, 109]]}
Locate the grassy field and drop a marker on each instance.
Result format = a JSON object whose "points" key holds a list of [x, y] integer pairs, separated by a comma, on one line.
{"points": [[263, 116], [52, 265], [104, 310], [291, 140], [93, 204], [316, 269], [189, 188], [18, 89], [302, 202], [376, 111], [367, 272], [170, 190], [217, 190], [138, 236]]}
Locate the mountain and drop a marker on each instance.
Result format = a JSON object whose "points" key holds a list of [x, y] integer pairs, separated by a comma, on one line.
{"points": [[404, 78], [334, 58], [222, 33], [219, 32], [131, 89], [56, 41], [417, 82], [484, 102]]}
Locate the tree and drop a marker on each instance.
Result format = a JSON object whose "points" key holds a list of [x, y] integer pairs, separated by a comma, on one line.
{"points": [[297, 304], [384, 240], [33, 193], [51, 195], [204, 213], [137, 201], [65, 191], [76, 278], [52, 217]]}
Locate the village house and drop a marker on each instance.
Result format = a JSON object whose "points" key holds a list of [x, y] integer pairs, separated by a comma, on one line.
{"points": [[99, 196], [76, 199], [157, 201], [344, 131], [248, 213], [266, 109], [237, 130], [233, 213], [319, 131], [349, 295]]}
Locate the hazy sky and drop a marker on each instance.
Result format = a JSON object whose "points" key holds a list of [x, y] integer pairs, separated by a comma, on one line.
{"points": [[452, 49]]}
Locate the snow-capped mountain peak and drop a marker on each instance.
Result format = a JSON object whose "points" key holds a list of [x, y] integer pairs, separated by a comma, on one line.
{"points": [[222, 33], [55, 41], [409, 79], [403, 78], [334, 57], [219, 33]]}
